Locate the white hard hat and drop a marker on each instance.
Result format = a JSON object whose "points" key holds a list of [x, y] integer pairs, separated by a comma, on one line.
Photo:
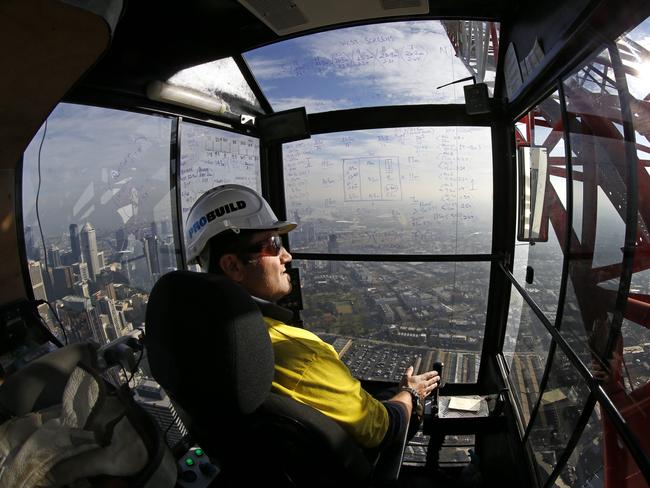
{"points": [[228, 207]]}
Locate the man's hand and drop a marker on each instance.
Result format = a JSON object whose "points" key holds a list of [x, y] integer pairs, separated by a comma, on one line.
{"points": [[423, 383]]}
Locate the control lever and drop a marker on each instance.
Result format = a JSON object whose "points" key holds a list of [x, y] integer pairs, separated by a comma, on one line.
{"points": [[437, 366]]}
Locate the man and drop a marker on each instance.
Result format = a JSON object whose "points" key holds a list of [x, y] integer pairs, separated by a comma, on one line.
{"points": [[231, 230]]}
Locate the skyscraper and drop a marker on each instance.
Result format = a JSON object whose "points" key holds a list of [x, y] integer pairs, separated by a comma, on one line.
{"points": [[81, 270], [32, 251], [333, 248], [54, 257], [36, 275], [152, 398], [89, 249], [75, 245], [151, 252], [63, 280]]}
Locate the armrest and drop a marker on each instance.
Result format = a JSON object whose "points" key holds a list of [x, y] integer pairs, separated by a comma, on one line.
{"points": [[389, 462]]}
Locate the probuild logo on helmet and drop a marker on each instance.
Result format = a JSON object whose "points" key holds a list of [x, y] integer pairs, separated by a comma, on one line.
{"points": [[217, 212]]}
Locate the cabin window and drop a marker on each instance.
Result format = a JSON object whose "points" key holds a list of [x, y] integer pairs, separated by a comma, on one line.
{"points": [[402, 191], [396, 63], [560, 406], [538, 264], [100, 178], [412, 190], [424, 311], [525, 348], [212, 157]]}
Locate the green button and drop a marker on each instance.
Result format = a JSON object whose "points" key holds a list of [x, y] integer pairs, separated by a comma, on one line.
{"points": [[189, 461], [199, 452]]}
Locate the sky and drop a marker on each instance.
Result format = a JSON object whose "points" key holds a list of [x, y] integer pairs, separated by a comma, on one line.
{"points": [[104, 166], [380, 64]]}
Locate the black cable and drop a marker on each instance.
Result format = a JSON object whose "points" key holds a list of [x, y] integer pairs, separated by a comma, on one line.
{"points": [[38, 192]]}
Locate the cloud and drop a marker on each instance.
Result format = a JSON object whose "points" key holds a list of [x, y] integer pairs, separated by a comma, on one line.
{"points": [[311, 104], [381, 64]]}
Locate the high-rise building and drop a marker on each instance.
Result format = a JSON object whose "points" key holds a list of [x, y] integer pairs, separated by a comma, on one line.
{"points": [[109, 291], [32, 250], [81, 289], [100, 260], [153, 399], [63, 281], [121, 240], [75, 244], [106, 306], [36, 275], [151, 252], [167, 256], [81, 271], [333, 248], [54, 257], [81, 320], [88, 241]]}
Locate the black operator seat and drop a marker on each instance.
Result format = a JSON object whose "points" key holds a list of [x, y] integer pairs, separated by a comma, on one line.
{"points": [[208, 346]]}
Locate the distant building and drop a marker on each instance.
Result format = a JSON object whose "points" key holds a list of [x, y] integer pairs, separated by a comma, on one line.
{"points": [[106, 306], [81, 320], [54, 257], [36, 275], [81, 289], [167, 256], [30, 246], [75, 244], [81, 271], [89, 249], [333, 248], [100, 260], [150, 244], [152, 398], [63, 278]]}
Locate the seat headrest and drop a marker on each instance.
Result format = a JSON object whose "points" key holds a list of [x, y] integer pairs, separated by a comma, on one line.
{"points": [[204, 332]]}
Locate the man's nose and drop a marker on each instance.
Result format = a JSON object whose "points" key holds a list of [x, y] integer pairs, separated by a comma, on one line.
{"points": [[285, 256]]}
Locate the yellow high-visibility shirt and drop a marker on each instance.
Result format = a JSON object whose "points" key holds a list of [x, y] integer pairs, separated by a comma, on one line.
{"points": [[309, 370]]}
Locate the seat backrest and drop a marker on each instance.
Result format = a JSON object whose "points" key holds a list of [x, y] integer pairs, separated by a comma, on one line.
{"points": [[209, 347]]}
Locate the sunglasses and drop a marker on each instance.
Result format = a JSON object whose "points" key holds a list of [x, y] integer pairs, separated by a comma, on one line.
{"points": [[268, 247]]}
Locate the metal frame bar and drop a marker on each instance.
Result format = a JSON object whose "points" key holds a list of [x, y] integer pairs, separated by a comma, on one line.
{"points": [[175, 192], [252, 82], [417, 258]]}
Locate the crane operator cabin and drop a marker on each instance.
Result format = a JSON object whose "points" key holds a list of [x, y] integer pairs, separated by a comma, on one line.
{"points": [[451, 192]]}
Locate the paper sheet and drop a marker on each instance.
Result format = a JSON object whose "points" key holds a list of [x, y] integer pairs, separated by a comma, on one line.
{"points": [[465, 404]]}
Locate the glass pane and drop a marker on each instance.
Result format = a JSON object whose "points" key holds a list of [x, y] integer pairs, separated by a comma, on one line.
{"points": [[409, 190], [562, 403], [585, 466], [543, 260], [386, 314], [105, 212], [526, 349], [222, 80], [601, 458], [212, 157], [600, 199], [395, 63]]}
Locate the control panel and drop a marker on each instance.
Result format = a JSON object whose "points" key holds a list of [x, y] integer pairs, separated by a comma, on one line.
{"points": [[195, 470]]}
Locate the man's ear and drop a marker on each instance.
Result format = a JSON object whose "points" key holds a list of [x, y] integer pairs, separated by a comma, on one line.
{"points": [[232, 267]]}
